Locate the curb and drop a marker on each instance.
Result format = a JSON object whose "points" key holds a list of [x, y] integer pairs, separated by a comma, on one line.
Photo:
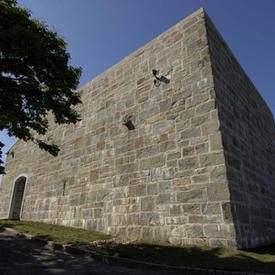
{"points": [[116, 261]]}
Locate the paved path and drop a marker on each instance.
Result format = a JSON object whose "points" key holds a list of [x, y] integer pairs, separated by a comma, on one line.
{"points": [[22, 256]]}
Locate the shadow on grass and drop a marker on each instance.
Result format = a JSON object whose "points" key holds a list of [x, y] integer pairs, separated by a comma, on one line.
{"points": [[270, 249], [6, 225], [257, 260], [203, 257], [23, 256], [44, 237]]}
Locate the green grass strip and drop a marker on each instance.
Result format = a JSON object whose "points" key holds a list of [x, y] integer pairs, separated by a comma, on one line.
{"points": [[57, 233]]}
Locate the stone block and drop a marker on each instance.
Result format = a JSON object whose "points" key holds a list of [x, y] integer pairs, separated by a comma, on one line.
{"points": [[199, 120], [197, 99], [183, 125], [191, 208], [127, 168], [205, 107], [148, 151], [211, 209], [152, 189], [165, 186], [78, 143], [151, 218], [163, 126], [173, 155], [121, 180], [212, 159], [147, 204], [165, 105], [197, 242], [158, 174], [152, 162], [102, 194], [134, 233], [218, 191], [141, 190], [147, 233], [177, 232], [132, 191], [196, 219], [218, 243], [133, 219], [210, 127], [94, 175], [188, 151], [222, 231], [215, 142], [190, 196], [123, 149], [172, 163], [98, 213], [175, 241], [191, 133], [201, 148], [175, 210], [161, 234], [194, 231], [200, 178], [218, 173], [167, 146], [163, 199], [182, 181], [147, 113], [188, 163]]}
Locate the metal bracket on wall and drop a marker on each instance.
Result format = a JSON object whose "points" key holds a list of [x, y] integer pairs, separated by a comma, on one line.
{"points": [[158, 79], [128, 122]]}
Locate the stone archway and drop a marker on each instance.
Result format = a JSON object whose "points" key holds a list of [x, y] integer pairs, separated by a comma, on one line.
{"points": [[17, 199]]}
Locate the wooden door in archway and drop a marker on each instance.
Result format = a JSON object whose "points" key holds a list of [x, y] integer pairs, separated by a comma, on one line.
{"points": [[17, 198]]}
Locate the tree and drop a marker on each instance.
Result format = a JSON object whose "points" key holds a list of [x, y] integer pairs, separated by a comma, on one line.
{"points": [[35, 78]]}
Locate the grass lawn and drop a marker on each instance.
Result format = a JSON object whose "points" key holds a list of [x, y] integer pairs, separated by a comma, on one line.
{"points": [[57, 233], [257, 260], [253, 260]]}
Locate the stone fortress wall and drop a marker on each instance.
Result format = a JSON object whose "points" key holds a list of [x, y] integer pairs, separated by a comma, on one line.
{"points": [[197, 167]]}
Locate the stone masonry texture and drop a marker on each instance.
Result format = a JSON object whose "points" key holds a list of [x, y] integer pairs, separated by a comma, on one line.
{"points": [[197, 169]]}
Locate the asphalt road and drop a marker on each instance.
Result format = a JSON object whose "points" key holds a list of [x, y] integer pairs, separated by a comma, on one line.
{"points": [[22, 256]]}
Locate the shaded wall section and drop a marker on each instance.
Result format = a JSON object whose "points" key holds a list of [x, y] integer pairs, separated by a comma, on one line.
{"points": [[247, 128]]}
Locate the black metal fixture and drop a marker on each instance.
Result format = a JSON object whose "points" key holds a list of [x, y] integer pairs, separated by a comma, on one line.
{"points": [[155, 74], [129, 123], [158, 80]]}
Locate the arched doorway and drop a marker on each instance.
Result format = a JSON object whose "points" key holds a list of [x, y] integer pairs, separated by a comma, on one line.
{"points": [[17, 199]]}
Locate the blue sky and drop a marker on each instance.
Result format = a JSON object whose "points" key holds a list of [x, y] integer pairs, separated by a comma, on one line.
{"points": [[101, 32]]}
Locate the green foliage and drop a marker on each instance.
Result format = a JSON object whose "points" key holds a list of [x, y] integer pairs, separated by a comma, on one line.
{"points": [[35, 78]]}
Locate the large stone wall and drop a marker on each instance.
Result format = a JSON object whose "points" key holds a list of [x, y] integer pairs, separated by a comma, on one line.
{"points": [[169, 179], [247, 127]]}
